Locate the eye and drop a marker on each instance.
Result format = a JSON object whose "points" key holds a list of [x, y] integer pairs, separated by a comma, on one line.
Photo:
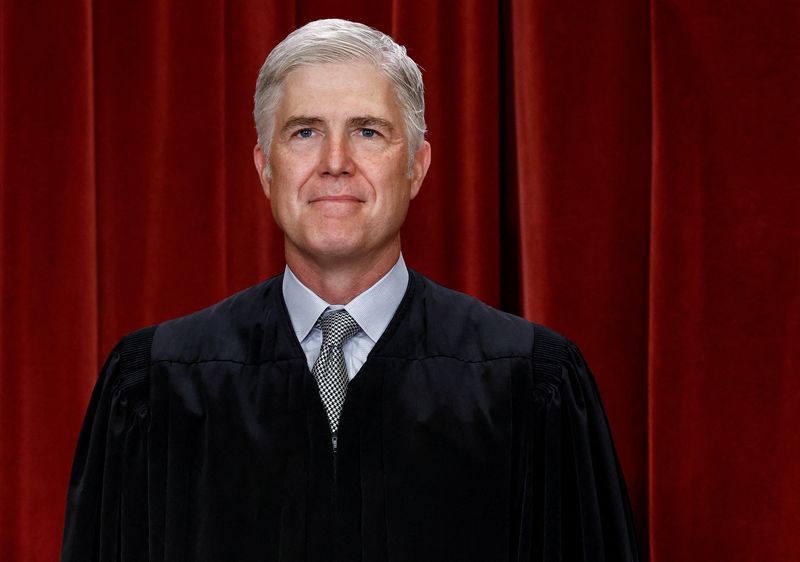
{"points": [[304, 133], [369, 133]]}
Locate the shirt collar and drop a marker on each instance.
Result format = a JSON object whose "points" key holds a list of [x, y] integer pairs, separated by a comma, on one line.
{"points": [[373, 309]]}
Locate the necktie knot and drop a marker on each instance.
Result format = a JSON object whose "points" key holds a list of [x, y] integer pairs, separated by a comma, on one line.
{"points": [[337, 327]]}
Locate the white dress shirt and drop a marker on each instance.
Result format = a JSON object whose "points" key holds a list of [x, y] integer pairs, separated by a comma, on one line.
{"points": [[373, 310]]}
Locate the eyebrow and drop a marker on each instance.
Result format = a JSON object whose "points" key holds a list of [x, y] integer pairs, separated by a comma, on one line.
{"points": [[300, 121], [369, 122]]}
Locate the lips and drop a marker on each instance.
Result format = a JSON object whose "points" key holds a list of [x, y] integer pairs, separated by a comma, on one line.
{"points": [[336, 199]]}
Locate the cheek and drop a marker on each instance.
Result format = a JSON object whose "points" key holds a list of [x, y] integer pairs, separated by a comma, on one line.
{"points": [[386, 173], [287, 185], [283, 200], [278, 208], [294, 161]]}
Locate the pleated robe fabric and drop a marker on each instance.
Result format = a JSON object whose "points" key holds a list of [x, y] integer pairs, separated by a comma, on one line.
{"points": [[468, 435]]}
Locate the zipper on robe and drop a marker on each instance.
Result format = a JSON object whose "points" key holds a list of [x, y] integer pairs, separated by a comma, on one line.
{"points": [[335, 443]]}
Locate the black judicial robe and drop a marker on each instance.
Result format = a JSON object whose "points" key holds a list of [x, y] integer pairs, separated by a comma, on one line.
{"points": [[468, 435]]}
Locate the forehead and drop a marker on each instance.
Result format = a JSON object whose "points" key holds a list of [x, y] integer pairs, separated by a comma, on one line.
{"points": [[348, 89]]}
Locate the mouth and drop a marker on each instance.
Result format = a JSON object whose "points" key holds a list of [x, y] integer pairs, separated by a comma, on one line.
{"points": [[336, 199], [336, 207]]}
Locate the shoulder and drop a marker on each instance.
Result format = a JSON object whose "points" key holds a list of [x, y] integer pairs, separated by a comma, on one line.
{"points": [[222, 331], [462, 325], [552, 347], [125, 372]]}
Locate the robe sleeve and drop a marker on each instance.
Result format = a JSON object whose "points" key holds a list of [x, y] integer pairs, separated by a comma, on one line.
{"points": [[575, 504], [106, 516]]}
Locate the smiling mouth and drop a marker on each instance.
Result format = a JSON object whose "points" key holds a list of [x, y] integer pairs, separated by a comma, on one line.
{"points": [[336, 199]]}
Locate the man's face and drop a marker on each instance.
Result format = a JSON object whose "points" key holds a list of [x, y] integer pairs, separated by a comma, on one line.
{"points": [[339, 185]]}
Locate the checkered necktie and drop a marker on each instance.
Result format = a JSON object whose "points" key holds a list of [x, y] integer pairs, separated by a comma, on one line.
{"points": [[329, 369]]}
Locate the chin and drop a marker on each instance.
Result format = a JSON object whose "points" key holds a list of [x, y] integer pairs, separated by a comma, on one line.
{"points": [[336, 248]]}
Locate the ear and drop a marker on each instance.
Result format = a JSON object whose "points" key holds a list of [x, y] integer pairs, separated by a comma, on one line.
{"points": [[262, 165], [419, 169]]}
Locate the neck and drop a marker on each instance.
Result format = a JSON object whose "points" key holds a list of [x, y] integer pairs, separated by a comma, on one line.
{"points": [[340, 280]]}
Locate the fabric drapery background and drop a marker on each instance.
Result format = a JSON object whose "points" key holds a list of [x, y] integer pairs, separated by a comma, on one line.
{"points": [[624, 172]]}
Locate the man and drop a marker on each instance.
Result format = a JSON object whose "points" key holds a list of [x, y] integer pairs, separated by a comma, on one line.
{"points": [[349, 409]]}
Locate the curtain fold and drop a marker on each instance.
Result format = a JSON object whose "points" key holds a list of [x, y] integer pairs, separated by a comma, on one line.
{"points": [[48, 270], [581, 144], [624, 172], [725, 283]]}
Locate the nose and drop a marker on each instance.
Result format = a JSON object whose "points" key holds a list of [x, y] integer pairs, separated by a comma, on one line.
{"points": [[336, 159]]}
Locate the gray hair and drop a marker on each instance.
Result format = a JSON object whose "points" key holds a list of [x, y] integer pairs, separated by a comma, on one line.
{"points": [[336, 40]]}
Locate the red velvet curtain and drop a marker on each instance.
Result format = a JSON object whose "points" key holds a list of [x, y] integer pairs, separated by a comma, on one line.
{"points": [[622, 171]]}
